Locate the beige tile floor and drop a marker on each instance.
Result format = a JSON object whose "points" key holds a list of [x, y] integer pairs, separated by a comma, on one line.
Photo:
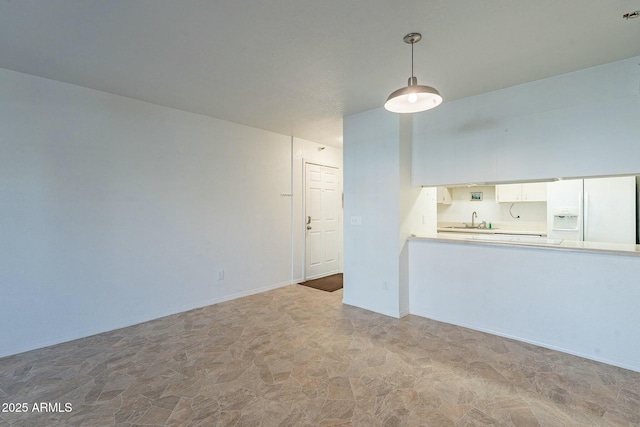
{"points": [[296, 356]]}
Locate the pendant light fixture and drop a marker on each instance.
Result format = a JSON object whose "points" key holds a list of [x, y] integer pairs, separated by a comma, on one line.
{"points": [[414, 97]]}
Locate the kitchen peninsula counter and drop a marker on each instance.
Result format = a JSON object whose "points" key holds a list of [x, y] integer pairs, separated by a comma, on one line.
{"points": [[517, 239], [577, 297]]}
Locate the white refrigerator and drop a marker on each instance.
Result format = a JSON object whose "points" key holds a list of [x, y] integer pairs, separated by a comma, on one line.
{"points": [[594, 209]]}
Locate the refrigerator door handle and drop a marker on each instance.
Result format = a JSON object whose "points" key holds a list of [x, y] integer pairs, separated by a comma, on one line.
{"points": [[585, 227]]}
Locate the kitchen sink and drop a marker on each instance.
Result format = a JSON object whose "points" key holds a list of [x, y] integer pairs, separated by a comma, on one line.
{"points": [[468, 227], [511, 238]]}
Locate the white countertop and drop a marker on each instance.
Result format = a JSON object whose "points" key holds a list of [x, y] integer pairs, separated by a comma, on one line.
{"points": [[491, 231], [524, 228], [516, 239]]}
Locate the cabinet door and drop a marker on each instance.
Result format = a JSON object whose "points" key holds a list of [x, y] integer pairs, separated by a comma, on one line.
{"points": [[509, 193], [444, 196], [534, 192]]}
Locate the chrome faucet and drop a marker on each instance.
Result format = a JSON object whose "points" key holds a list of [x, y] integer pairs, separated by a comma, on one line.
{"points": [[474, 215]]}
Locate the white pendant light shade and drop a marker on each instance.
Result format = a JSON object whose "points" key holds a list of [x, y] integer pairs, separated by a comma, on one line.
{"points": [[414, 97]]}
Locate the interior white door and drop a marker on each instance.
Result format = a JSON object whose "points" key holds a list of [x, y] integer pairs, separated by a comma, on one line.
{"points": [[322, 221]]}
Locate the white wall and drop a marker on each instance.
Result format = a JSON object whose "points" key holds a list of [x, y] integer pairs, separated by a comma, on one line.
{"points": [[115, 211], [580, 303], [411, 203], [378, 190], [371, 192], [584, 123]]}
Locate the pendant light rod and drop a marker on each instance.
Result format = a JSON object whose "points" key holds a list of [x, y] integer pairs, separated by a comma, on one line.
{"points": [[411, 60], [414, 97], [412, 38]]}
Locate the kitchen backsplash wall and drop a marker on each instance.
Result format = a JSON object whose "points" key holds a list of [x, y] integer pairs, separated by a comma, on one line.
{"points": [[462, 207]]}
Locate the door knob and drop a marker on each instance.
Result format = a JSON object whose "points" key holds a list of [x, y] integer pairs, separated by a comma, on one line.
{"points": [[309, 220]]}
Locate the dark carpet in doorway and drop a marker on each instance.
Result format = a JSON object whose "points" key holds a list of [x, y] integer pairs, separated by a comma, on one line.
{"points": [[329, 283]]}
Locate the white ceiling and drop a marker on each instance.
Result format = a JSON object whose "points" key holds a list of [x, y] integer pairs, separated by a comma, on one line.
{"points": [[297, 67]]}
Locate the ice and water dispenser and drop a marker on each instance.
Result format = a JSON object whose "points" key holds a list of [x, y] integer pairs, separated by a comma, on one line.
{"points": [[566, 219]]}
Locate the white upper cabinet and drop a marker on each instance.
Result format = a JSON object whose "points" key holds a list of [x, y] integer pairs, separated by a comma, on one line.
{"points": [[534, 192], [509, 193], [444, 196], [531, 192]]}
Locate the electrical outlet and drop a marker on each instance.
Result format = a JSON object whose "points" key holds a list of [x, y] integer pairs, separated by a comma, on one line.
{"points": [[220, 274], [356, 220]]}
